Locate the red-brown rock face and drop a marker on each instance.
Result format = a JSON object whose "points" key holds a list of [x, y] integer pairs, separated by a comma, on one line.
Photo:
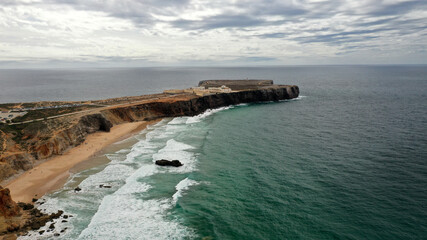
{"points": [[53, 137], [8, 208]]}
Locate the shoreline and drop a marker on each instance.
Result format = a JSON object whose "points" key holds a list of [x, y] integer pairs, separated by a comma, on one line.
{"points": [[53, 173]]}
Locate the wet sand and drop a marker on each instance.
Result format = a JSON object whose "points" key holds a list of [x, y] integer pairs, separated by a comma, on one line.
{"points": [[53, 173]]}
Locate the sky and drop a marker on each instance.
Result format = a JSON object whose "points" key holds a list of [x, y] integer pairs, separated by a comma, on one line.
{"points": [[133, 33]]}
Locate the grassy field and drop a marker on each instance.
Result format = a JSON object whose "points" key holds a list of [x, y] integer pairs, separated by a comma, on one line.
{"points": [[18, 131], [44, 113], [10, 106]]}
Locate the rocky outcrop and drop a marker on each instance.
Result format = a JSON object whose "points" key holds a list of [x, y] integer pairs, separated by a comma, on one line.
{"points": [[8, 208], [52, 138], [19, 218], [36, 141], [173, 163]]}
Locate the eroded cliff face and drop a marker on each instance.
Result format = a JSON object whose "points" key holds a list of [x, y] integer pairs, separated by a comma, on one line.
{"points": [[8, 208], [52, 137], [197, 105], [16, 219]]}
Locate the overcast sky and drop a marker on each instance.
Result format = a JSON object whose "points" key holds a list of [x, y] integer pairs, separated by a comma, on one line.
{"points": [[50, 33]]}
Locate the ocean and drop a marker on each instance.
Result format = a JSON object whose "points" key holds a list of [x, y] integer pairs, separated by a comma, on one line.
{"points": [[345, 160]]}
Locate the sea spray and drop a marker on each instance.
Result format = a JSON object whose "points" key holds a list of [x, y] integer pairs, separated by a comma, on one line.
{"points": [[135, 200], [182, 187]]}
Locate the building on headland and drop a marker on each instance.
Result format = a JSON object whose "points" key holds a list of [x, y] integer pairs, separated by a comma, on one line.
{"points": [[9, 115], [207, 87], [236, 84], [223, 89], [200, 91]]}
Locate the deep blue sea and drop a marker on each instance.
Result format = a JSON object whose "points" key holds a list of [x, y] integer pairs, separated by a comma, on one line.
{"points": [[346, 160]]}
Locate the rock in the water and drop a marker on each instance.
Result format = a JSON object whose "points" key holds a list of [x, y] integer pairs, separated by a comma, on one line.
{"points": [[55, 215], [164, 162], [35, 225], [25, 206]]}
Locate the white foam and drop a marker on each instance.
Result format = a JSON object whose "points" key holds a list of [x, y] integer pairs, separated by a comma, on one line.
{"points": [[123, 151], [173, 145], [207, 113], [175, 150], [133, 187], [242, 105], [112, 174], [182, 186], [125, 217], [144, 171], [178, 120], [300, 97], [115, 157], [123, 212], [35, 235]]}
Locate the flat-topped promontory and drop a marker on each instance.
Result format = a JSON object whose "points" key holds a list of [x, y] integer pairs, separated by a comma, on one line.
{"points": [[237, 84], [46, 129]]}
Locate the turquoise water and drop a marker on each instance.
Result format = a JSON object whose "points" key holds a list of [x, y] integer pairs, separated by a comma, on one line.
{"points": [[346, 160]]}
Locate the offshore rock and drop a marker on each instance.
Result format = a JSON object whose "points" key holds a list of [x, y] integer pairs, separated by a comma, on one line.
{"points": [[25, 206], [173, 163]]}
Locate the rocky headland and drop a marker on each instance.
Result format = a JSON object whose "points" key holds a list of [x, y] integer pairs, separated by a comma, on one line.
{"points": [[16, 219], [25, 145], [22, 146]]}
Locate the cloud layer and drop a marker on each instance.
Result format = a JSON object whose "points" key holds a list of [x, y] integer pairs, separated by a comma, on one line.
{"points": [[202, 32]]}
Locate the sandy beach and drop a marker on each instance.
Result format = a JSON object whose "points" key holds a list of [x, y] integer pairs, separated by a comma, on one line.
{"points": [[53, 173]]}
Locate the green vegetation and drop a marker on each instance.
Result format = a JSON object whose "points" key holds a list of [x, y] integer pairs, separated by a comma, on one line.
{"points": [[10, 106], [45, 113], [21, 130]]}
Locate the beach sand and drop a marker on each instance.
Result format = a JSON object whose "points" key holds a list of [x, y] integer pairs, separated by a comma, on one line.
{"points": [[54, 172]]}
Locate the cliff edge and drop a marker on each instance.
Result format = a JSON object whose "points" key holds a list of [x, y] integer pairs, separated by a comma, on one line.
{"points": [[24, 145]]}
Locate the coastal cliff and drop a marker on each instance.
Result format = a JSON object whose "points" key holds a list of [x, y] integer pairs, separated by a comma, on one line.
{"points": [[23, 146]]}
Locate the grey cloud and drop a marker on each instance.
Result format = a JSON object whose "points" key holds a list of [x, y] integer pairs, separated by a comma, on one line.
{"points": [[271, 8], [272, 35], [337, 38], [398, 8], [373, 20], [256, 59], [377, 22], [287, 34], [361, 31], [138, 11], [219, 21]]}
